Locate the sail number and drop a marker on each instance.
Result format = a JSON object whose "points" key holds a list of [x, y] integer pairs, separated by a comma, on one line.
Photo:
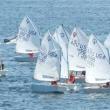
{"points": [[81, 48], [23, 33], [52, 54]]}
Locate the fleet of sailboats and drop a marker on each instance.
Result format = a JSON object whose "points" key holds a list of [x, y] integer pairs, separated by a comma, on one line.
{"points": [[60, 53]]}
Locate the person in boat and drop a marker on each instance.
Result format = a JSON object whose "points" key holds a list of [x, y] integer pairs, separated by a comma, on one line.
{"points": [[1, 65], [83, 73], [71, 79], [107, 85], [53, 82], [31, 55]]}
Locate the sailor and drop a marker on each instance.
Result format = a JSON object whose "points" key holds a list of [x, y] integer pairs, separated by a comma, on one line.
{"points": [[107, 85], [1, 65], [53, 82], [83, 73], [71, 79], [31, 55]]}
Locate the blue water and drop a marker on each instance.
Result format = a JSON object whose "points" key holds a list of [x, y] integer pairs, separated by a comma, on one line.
{"points": [[93, 16]]}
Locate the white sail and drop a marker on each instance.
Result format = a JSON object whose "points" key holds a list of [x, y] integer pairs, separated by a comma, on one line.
{"points": [[107, 45], [97, 68], [48, 62], [28, 40], [64, 68], [107, 42], [61, 36], [77, 50], [106, 51]]}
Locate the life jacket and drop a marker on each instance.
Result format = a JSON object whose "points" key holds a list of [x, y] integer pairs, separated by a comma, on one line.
{"points": [[2, 65], [53, 82], [31, 55], [71, 78]]}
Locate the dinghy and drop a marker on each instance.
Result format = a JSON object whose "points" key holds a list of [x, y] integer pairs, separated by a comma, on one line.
{"points": [[48, 67], [97, 68], [77, 52], [49, 45], [28, 41]]}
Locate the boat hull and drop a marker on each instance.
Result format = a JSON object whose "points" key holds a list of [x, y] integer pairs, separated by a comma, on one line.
{"points": [[70, 87], [96, 90], [40, 88], [25, 59]]}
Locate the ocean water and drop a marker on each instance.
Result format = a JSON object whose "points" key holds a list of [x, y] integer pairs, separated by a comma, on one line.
{"points": [[93, 16]]}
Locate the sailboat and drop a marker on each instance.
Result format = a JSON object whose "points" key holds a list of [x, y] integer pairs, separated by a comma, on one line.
{"points": [[77, 51], [98, 67], [48, 67], [28, 41]]}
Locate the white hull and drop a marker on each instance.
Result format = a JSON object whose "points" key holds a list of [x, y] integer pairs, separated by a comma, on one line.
{"points": [[41, 88], [70, 87], [96, 89], [25, 59]]}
